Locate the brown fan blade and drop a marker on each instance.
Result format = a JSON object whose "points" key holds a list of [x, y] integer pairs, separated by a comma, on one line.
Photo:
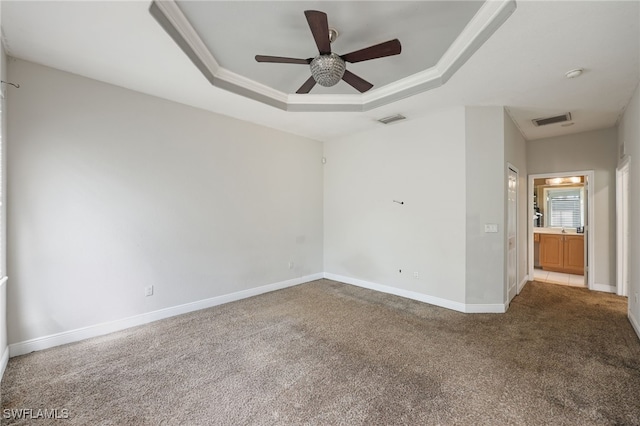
{"points": [[388, 48], [307, 86], [357, 82], [282, 60], [320, 29]]}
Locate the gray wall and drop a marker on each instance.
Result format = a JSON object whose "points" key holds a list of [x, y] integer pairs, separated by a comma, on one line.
{"points": [[450, 170], [111, 190], [368, 237], [595, 150], [485, 203], [629, 134]]}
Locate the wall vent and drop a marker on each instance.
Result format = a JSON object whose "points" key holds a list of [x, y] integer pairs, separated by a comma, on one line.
{"points": [[392, 119], [552, 120]]}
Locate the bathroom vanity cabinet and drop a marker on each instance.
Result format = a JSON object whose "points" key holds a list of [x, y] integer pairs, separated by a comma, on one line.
{"points": [[562, 253]]}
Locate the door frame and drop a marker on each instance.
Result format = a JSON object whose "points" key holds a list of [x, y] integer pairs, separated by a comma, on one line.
{"points": [[622, 223], [511, 167], [589, 227]]}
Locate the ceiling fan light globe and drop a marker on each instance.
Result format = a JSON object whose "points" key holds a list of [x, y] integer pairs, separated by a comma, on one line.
{"points": [[327, 70]]}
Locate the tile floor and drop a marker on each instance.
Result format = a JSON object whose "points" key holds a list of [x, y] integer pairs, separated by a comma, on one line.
{"points": [[558, 278]]}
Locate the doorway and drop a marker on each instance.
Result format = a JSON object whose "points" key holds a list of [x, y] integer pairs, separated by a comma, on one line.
{"points": [[561, 228]]}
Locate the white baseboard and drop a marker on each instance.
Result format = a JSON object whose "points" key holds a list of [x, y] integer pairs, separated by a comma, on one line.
{"points": [[604, 287], [449, 304], [432, 300], [486, 308], [634, 323], [524, 282], [70, 336], [5, 351], [4, 361]]}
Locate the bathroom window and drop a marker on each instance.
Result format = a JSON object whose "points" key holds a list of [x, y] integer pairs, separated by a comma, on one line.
{"points": [[565, 207]]}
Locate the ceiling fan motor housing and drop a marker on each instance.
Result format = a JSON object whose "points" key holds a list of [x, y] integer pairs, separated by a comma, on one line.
{"points": [[327, 70]]}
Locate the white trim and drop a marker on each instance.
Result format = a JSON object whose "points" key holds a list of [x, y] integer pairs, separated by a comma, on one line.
{"points": [[604, 287], [4, 361], [511, 167], [480, 28], [70, 336], [622, 216], [5, 352], [591, 215], [624, 162], [421, 297], [524, 282], [486, 308], [591, 229], [634, 324]]}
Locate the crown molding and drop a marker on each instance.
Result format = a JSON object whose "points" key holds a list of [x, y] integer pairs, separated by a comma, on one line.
{"points": [[489, 18]]}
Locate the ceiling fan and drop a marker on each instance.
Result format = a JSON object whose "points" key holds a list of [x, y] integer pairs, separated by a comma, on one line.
{"points": [[328, 68]]}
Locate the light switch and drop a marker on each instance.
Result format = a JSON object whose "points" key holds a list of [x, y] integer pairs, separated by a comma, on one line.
{"points": [[490, 227]]}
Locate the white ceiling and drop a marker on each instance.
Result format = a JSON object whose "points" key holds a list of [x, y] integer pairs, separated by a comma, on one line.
{"points": [[521, 66]]}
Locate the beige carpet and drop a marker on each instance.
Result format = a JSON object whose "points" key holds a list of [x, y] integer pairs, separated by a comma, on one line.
{"points": [[329, 353]]}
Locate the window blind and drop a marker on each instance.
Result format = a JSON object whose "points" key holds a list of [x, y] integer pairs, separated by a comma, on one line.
{"points": [[564, 208]]}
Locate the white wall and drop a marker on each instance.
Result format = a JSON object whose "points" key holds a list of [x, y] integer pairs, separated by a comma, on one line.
{"points": [[111, 190], [370, 238], [594, 150], [516, 154], [629, 134]]}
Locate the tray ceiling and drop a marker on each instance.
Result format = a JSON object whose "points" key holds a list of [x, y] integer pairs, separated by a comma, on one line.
{"points": [[222, 39]]}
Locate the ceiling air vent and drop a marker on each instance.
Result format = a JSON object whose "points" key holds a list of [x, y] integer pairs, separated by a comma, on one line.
{"points": [[392, 119], [552, 120]]}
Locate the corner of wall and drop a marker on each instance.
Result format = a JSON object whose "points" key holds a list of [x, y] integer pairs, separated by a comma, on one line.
{"points": [[516, 155], [629, 137], [184, 222], [485, 164]]}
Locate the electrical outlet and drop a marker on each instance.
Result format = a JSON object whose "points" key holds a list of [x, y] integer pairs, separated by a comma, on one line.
{"points": [[636, 298], [148, 290], [416, 275], [291, 265]]}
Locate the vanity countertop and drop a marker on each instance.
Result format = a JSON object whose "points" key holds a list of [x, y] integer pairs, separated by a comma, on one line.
{"points": [[555, 231]]}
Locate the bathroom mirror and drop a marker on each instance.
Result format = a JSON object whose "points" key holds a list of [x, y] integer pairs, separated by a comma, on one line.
{"points": [[559, 202]]}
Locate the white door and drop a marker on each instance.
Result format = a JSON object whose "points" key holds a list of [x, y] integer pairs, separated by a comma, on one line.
{"points": [[512, 232]]}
